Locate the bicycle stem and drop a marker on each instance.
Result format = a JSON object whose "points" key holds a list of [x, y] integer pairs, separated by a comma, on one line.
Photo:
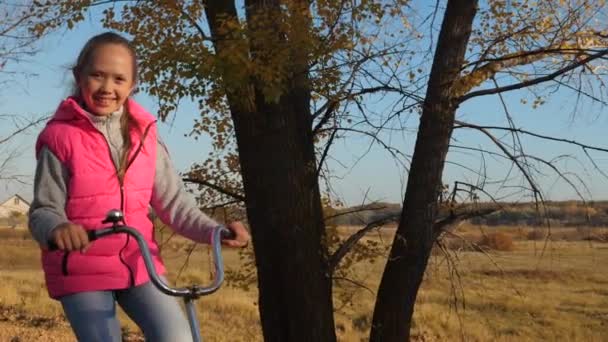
{"points": [[189, 294]]}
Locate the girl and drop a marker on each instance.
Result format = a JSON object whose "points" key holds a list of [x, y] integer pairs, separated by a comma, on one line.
{"points": [[98, 152]]}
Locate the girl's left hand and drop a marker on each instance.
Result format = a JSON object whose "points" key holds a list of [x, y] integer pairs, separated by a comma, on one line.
{"points": [[241, 238]]}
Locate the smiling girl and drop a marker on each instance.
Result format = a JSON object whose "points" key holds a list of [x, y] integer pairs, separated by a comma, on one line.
{"points": [[100, 151]]}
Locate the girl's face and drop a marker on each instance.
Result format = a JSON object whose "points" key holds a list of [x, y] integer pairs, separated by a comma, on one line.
{"points": [[107, 79]]}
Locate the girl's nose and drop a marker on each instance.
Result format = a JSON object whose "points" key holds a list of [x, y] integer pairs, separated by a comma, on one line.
{"points": [[106, 86]]}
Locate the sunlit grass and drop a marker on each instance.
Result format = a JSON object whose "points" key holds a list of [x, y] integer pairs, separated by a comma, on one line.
{"points": [[556, 290]]}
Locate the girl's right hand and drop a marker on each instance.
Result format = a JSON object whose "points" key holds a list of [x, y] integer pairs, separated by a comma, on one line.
{"points": [[70, 237]]}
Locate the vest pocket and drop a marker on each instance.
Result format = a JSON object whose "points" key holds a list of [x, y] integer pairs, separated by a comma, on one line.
{"points": [[64, 263]]}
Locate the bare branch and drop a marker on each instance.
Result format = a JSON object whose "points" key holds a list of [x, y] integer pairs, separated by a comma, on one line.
{"points": [[535, 81], [501, 146], [352, 240], [358, 210], [22, 129], [461, 124], [454, 218], [198, 27], [214, 187], [356, 283], [325, 151], [221, 205]]}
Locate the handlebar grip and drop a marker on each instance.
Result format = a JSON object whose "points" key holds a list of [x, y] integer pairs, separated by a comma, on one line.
{"points": [[227, 234], [91, 234]]}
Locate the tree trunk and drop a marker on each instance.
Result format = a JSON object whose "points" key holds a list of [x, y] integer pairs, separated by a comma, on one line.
{"points": [[276, 151], [414, 238], [284, 212]]}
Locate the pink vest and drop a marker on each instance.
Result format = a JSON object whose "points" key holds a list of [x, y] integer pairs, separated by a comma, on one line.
{"points": [[112, 262]]}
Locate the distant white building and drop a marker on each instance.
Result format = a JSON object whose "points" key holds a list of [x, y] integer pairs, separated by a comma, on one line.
{"points": [[14, 203]]}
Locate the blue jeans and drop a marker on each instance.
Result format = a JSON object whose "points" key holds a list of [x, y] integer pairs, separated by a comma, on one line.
{"points": [[92, 315]]}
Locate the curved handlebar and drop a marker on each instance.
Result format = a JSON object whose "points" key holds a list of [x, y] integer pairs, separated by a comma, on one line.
{"points": [[219, 233]]}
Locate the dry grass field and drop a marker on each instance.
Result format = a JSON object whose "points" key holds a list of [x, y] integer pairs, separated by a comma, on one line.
{"points": [[533, 290]]}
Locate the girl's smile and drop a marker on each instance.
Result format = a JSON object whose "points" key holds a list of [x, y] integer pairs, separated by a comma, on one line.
{"points": [[107, 81]]}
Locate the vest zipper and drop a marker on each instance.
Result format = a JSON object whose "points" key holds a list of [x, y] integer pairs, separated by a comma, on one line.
{"points": [[122, 198], [141, 144], [122, 209], [122, 261], [64, 263], [122, 195]]}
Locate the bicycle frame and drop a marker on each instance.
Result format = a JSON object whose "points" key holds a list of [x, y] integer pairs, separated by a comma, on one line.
{"points": [[189, 294]]}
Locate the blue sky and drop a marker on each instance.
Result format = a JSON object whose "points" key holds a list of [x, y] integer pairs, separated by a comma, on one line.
{"points": [[376, 175]]}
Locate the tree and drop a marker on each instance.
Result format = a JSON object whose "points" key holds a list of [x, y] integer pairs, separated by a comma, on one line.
{"points": [[560, 42], [279, 81], [415, 236], [17, 43], [254, 67]]}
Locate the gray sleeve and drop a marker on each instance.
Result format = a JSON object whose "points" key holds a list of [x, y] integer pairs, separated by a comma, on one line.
{"points": [[47, 210], [174, 205]]}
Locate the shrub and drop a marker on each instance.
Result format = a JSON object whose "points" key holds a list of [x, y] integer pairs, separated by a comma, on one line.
{"points": [[536, 234], [498, 241], [457, 244], [14, 234]]}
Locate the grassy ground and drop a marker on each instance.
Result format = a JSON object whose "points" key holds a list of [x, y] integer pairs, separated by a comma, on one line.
{"points": [[555, 292]]}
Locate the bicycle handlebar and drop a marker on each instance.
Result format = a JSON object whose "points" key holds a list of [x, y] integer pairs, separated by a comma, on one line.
{"points": [[219, 233]]}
